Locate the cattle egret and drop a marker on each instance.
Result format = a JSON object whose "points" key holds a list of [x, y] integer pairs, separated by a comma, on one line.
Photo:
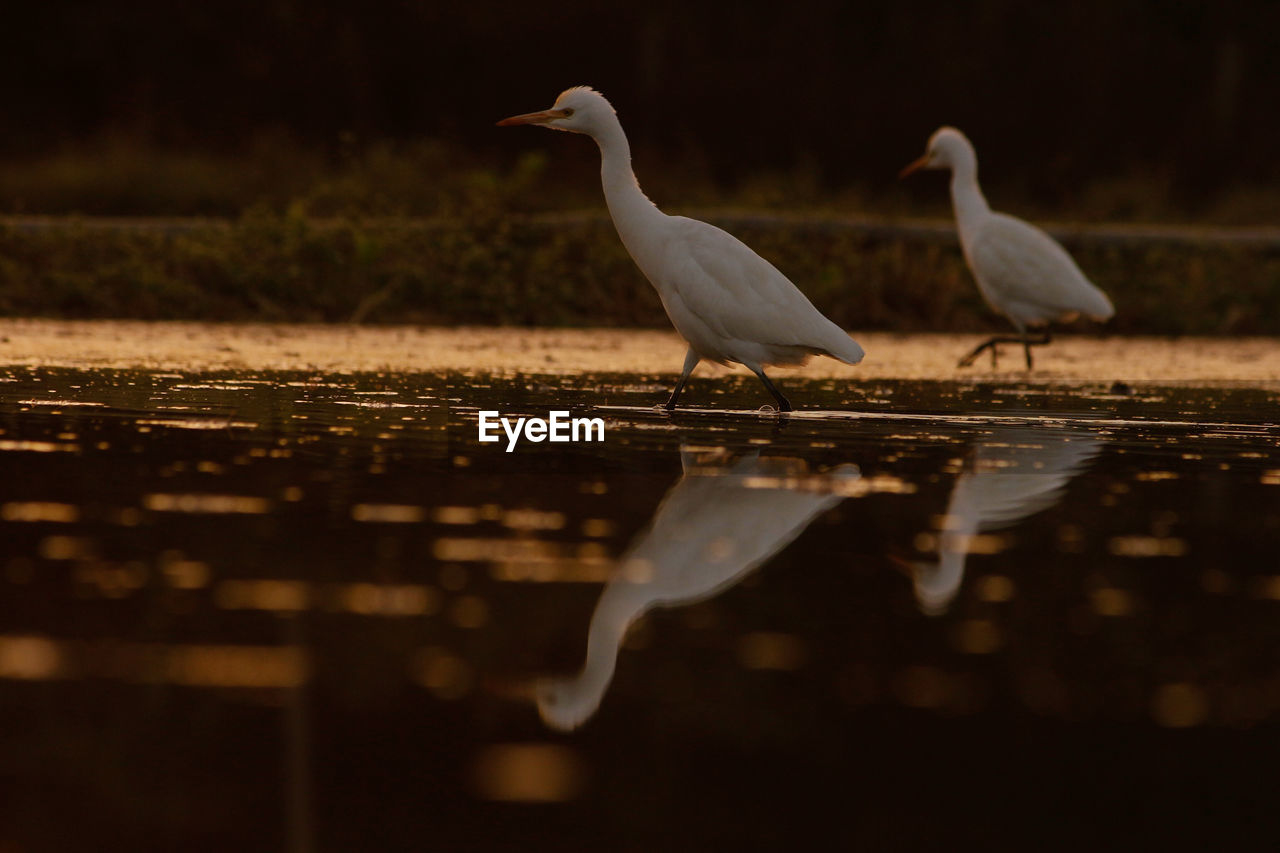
{"points": [[1022, 272], [722, 519], [727, 302], [1010, 475]]}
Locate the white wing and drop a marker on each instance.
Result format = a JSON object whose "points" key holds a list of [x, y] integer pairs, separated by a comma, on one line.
{"points": [[1026, 275], [737, 300], [1018, 473]]}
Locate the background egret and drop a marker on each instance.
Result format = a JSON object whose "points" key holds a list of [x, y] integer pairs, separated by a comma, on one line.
{"points": [[1022, 272]]}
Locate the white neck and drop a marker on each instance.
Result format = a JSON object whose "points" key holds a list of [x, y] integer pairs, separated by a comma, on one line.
{"points": [[633, 214], [614, 613], [966, 197]]}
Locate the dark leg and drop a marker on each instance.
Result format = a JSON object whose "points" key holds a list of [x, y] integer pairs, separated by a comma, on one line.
{"points": [[675, 394], [691, 360], [783, 405], [1028, 342], [990, 343]]}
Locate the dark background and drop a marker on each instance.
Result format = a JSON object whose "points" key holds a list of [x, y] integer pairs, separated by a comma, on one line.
{"points": [[1174, 98]]}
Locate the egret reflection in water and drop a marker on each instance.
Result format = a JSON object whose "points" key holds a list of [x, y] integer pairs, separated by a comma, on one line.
{"points": [[723, 518], [1013, 473]]}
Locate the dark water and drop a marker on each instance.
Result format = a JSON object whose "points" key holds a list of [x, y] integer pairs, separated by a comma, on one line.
{"points": [[293, 612]]}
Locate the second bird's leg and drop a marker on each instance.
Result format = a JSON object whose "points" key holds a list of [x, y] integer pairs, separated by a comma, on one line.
{"points": [[1028, 342], [783, 404], [691, 360], [991, 342]]}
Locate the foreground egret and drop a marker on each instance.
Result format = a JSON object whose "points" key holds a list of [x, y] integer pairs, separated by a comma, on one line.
{"points": [[1022, 272], [727, 302], [722, 518]]}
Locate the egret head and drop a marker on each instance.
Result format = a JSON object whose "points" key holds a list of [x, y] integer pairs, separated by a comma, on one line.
{"points": [[566, 703], [936, 583], [577, 110], [948, 149]]}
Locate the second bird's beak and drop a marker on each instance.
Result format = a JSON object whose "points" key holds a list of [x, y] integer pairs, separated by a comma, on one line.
{"points": [[913, 166], [540, 117]]}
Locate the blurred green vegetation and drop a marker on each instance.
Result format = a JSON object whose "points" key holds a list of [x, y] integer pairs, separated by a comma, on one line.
{"points": [[429, 233]]}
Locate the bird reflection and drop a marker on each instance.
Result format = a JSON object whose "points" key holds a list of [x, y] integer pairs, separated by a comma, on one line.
{"points": [[723, 518], [1013, 473]]}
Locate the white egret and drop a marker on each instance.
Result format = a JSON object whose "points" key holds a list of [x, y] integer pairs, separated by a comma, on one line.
{"points": [[1012, 474], [727, 302], [1021, 271], [722, 519]]}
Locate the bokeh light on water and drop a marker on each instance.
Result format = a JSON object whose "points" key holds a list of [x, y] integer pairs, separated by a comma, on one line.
{"points": [[266, 608]]}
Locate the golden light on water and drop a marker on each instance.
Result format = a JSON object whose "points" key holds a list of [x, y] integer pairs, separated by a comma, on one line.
{"points": [[460, 515], [111, 580], [34, 511], [771, 650], [1111, 601], [568, 570], [922, 687], [197, 423], [461, 550], [977, 636], [529, 560], [972, 543], [291, 596], [181, 573], [389, 513], [469, 611], [1217, 582], [30, 658], [207, 504], [445, 674], [276, 595], [35, 446], [1267, 587], [995, 588], [528, 773], [597, 528], [387, 599], [43, 658], [1146, 546], [233, 666], [1180, 705], [532, 519], [66, 548]]}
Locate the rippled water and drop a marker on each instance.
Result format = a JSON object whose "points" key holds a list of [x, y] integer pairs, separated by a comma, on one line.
{"points": [[287, 611]]}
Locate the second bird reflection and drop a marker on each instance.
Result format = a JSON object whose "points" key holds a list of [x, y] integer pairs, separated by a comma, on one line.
{"points": [[1011, 474], [724, 517]]}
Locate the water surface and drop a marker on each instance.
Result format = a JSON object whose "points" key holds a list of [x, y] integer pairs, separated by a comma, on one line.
{"points": [[294, 610]]}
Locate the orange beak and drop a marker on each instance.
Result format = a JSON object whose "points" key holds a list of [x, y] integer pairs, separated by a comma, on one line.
{"points": [[902, 564], [513, 690], [913, 166], [540, 117]]}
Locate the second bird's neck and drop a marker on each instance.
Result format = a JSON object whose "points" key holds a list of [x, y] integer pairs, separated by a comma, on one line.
{"points": [[966, 197], [628, 205]]}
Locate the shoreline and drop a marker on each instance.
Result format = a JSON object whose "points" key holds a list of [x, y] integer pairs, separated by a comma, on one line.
{"points": [[202, 347]]}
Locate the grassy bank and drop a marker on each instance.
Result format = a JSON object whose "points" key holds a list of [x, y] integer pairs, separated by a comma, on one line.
{"points": [[495, 268]]}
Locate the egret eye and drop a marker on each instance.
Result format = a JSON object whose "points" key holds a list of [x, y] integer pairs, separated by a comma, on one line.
{"points": [[568, 111]]}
